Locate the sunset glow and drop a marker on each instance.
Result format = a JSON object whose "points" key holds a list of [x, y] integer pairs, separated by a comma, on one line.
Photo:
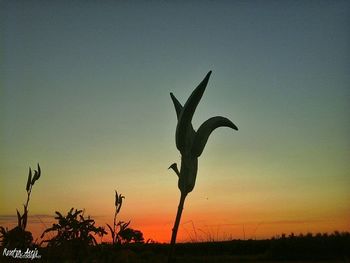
{"points": [[85, 92]]}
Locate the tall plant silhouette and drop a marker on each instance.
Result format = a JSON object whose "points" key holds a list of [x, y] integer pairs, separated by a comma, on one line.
{"points": [[191, 144], [18, 236], [118, 205]]}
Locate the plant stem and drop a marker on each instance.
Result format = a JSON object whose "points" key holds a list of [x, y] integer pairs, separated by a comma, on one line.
{"points": [[28, 196], [114, 225], [171, 258]]}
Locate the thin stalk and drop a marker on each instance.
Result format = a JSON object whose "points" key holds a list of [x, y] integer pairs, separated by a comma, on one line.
{"points": [[114, 225], [171, 258], [28, 197]]}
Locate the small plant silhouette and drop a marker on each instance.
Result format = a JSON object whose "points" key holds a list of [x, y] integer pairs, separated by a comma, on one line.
{"points": [[18, 237], [129, 235], [118, 204], [191, 144], [73, 228], [124, 234]]}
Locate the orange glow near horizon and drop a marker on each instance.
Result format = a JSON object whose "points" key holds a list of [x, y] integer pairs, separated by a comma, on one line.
{"points": [[214, 216], [201, 230]]}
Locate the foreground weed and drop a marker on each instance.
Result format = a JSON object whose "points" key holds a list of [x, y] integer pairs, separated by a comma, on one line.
{"points": [[18, 237], [73, 227], [121, 232]]}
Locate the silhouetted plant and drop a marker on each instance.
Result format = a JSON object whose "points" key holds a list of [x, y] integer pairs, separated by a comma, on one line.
{"points": [[118, 204], [73, 228], [129, 235], [15, 238], [120, 231], [191, 144], [18, 237], [123, 226]]}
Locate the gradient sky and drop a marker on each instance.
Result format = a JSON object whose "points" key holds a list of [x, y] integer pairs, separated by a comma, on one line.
{"points": [[85, 91]]}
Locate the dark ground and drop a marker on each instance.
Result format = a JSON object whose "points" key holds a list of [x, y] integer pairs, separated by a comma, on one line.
{"points": [[319, 248]]}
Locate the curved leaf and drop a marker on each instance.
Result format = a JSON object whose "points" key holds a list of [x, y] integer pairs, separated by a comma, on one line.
{"points": [[71, 211], [53, 228], [39, 170], [177, 105], [111, 230], [174, 167], [59, 215], [29, 181], [35, 177], [183, 128], [120, 203], [116, 198], [125, 225], [19, 219], [24, 218], [206, 129]]}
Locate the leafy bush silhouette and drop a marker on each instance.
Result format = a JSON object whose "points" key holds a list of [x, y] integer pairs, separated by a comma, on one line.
{"points": [[130, 235], [73, 228], [18, 237], [15, 238], [74, 236], [120, 232]]}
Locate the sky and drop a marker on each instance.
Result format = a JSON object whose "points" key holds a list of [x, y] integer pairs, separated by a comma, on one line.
{"points": [[85, 92]]}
